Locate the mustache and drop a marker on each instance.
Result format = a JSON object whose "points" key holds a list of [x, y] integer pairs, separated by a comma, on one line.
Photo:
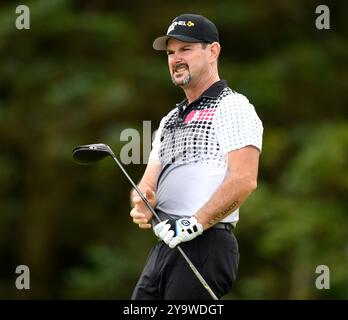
{"points": [[179, 65]]}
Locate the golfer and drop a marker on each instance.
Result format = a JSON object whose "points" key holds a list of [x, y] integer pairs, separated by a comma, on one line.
{"points": [[202, 167]]}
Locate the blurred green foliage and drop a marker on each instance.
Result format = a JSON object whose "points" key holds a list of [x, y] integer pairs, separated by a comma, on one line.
{"points": [[86, 70]]}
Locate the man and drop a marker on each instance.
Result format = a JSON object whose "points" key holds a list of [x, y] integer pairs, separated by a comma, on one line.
{"points": [[202, 167]]}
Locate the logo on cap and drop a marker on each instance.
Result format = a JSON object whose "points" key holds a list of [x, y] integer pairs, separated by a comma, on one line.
{"points": [[180, 23]]}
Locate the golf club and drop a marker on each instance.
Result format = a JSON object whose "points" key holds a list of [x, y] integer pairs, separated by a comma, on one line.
{"points": [[90, 153]]}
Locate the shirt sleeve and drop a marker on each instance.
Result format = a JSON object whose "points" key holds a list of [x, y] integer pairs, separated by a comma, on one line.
{"points": [[237, 124], [156, 143]]}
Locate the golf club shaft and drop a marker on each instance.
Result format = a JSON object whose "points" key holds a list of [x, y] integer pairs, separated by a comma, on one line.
{"points": [[193, 268], [197, 274], [136, 189]]}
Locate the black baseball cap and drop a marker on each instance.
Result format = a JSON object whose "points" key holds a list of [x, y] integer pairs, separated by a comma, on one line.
{"points": [[188, 28]]}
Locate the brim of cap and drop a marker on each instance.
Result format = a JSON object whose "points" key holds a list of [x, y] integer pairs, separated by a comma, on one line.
{"points": [[160, 43]]}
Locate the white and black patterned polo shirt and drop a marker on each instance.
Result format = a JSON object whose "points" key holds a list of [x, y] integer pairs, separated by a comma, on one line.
{"points": [[192, 142]]}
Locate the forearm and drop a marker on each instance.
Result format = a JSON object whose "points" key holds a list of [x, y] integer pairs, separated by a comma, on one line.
{"points": [[149, 179], [142, 185], [140, 213], [227, 198]]}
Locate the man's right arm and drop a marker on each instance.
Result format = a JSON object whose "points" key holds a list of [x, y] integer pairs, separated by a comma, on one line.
{"points": [[140, 213]]}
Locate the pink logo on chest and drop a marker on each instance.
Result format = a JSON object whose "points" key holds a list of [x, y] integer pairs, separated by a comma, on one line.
{"points": [[200, 115]]}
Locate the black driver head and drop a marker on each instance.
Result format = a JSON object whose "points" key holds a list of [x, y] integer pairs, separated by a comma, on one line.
{"points": [[90, 153]]}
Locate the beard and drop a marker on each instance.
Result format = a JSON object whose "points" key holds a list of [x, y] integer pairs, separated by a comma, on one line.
{"points": [[183, 82]]}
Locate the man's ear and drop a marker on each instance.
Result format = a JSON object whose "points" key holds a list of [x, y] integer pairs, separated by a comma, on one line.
{"points": [[215, 49]]}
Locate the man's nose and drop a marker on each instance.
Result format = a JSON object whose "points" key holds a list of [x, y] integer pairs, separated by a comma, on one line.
{"points": [[175, 58]]}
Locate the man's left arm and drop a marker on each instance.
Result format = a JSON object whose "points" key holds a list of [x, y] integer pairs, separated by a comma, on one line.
{"points": [[239, 183]]}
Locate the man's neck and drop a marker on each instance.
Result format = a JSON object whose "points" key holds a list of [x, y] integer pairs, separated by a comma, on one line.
{"points": [[194, 91]]}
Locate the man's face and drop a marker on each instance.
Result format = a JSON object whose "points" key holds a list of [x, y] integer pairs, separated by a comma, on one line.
{"points": [[187, 61]]}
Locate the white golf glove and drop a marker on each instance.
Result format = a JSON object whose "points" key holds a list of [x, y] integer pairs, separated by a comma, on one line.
{"points": [[172, 232]]}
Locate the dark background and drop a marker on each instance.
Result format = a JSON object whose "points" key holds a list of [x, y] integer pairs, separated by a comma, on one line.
{"points": [[86, 71]]}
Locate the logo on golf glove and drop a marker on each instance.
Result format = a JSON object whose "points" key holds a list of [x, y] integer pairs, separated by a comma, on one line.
{"points": [[172, 232]]}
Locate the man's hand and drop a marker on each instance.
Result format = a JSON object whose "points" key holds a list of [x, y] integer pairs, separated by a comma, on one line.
{"points": [[140, 213], [172, 232]]}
